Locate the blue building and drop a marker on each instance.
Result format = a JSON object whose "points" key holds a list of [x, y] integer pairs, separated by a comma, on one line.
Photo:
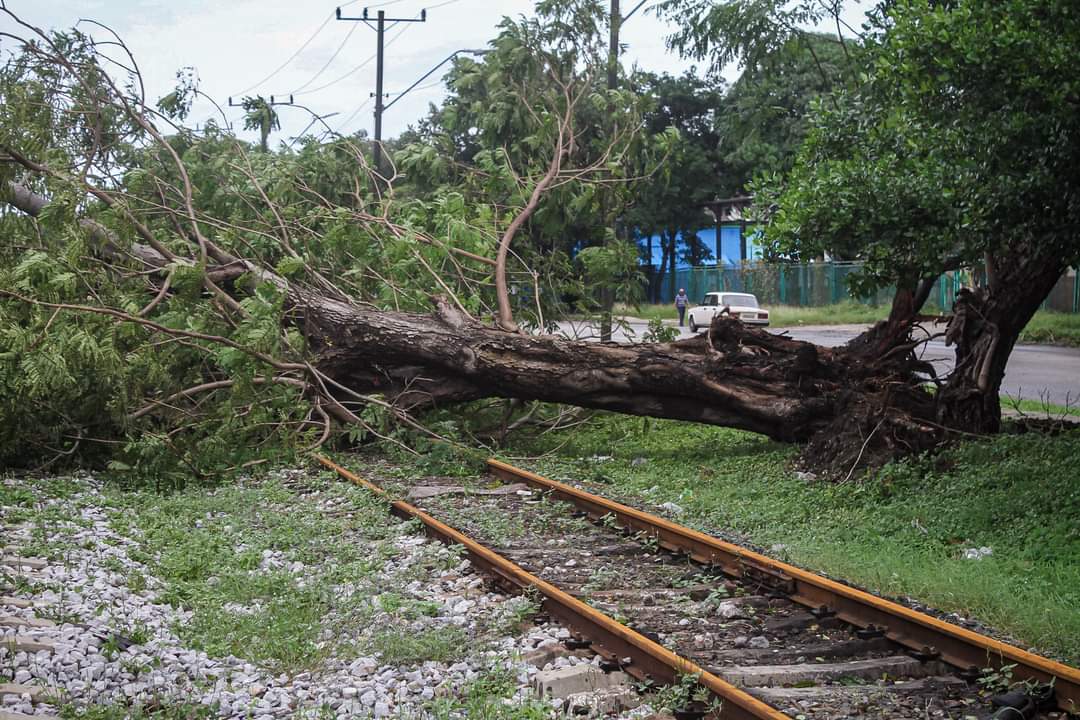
{"points": [[736, 238]]}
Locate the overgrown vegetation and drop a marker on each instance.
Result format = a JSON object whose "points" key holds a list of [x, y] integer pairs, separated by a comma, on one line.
{"points": [[1053, 328], [490, 697], [844, 313], [230, 556], [901, 532], [153, 710]]}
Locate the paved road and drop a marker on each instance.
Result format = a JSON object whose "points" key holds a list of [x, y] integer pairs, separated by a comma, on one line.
{"points": [[1034, 372]]}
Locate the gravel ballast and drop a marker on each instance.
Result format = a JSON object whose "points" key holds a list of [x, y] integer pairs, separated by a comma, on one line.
{"points": [[113, 644]]}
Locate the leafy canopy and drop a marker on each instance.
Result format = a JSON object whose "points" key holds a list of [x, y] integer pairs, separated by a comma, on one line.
{"points": [[962, 141]]}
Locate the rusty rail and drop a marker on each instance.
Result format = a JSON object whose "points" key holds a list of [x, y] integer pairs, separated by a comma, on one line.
{"points": [[917, 631], [609, 638]]}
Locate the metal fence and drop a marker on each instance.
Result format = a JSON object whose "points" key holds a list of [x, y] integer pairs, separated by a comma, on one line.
{"points": [[824, 283]]}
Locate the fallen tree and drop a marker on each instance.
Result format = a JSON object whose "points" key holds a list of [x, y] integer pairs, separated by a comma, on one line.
{"points": [[732, 375], [208, 287]]}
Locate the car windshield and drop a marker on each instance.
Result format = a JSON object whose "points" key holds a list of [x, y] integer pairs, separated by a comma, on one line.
{"points": [[739, 300]]}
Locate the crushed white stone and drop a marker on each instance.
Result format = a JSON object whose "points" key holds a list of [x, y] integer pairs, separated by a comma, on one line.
{"points": [[94, 600]]}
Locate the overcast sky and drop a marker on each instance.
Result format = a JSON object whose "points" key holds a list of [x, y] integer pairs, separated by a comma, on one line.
{"points": [[328, 65]]}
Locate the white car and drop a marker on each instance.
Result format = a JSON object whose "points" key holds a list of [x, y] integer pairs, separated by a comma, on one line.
{"points": [[743, 306]]}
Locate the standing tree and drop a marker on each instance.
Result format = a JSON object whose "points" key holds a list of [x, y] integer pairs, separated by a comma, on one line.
{"points": [[260, 115], [680, 123]]}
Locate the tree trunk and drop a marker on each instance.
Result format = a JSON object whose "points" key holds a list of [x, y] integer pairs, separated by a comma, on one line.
{"points": [[607, 305], [673, 249], [732, 376], [661, 271], [987, 322]]}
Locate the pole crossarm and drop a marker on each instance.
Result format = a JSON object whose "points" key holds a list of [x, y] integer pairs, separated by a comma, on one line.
{"points": [[272, 102], [365, 18]]}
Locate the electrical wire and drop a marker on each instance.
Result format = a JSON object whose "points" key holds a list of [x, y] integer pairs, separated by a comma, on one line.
{"points": [[365, 63], [333, 57], [442, 4], [437, 83], [354, 114], [307, 42], [336, 80], [292, 57], [368, 61]]}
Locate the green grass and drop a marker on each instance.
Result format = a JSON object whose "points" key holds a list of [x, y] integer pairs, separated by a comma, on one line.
{"points": [[490, 697], [403, 646], [845, 313], [1054, 328], [206, 546], [900, 533], [1046, 327], [153, 710], [1039, 409], [784, 315]]}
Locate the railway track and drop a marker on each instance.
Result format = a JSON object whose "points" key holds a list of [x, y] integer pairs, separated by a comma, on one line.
{"points": [[766, 639]]}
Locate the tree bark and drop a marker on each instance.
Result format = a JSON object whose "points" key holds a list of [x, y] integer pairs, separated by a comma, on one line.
{"points": [[732, 376], [659, 284], [987, 322]]}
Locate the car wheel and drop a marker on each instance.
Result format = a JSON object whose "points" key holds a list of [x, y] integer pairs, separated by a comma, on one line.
{"points": [[693, 325]]}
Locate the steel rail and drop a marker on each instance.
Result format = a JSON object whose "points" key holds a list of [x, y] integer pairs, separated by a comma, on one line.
{"points": [[648, 660], [921, 633]]}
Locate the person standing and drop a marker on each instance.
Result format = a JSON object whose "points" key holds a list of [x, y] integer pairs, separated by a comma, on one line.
{"points": [[680, 305]]}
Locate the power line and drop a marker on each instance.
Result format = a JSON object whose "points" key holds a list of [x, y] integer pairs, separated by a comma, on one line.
{"points": [[429, 73], [337, 52], [353, 115], [307, 42], [291, 57], [335, 81], [422, 87], [442, 4]]}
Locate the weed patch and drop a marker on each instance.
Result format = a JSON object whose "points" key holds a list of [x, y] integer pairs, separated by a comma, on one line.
{"points": [[491, 697], [260, 569], [141, 711], [402, 646], [1053, 328]]}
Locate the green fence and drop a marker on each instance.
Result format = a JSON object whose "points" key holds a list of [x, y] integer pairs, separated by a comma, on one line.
{"points": [[825, 283]]}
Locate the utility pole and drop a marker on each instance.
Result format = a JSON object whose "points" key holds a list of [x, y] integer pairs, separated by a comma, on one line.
{"points": [[613, 47], [380, 30], [607, 295]]}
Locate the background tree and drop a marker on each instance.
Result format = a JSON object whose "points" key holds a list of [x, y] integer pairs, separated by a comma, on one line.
{"points": [[767, 111], [669, 203], [260, 115], [489, 145]]}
